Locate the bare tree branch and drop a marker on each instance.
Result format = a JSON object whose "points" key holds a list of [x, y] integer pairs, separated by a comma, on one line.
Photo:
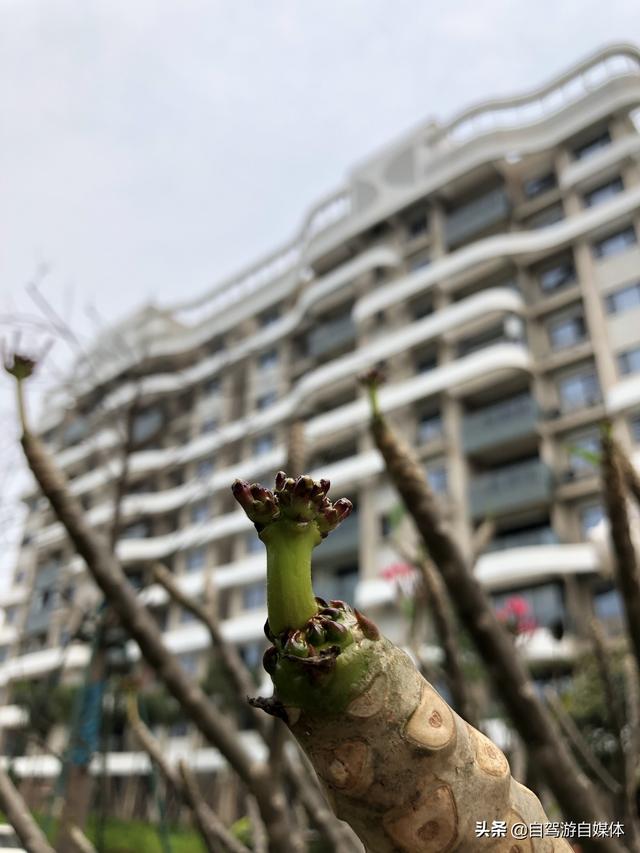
{"points": [[139, 623], [213, 831], [582, 748], [208, 820], [625, 561], [576, 794], [20, 818], [446, 629]]}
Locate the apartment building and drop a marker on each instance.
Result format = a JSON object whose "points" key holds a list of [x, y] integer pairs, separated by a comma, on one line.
{"points": [[492, 263]]}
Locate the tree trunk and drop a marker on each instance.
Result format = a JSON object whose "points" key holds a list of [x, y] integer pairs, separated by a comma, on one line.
{"points": [[577, 797]]}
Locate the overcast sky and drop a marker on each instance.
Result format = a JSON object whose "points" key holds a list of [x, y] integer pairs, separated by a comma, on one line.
{"points": [[149, 148]]}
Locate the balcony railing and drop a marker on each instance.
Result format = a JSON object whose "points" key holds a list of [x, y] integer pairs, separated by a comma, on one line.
{"points": [[477, 215], [331, 336], [513, 487], [504, 421], [524, 539]]}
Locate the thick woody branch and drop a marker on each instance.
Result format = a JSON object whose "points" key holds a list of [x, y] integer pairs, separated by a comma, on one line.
{"points": [[574, 792], [334, 831], [626, 567], [18, 815], [109, 576]]}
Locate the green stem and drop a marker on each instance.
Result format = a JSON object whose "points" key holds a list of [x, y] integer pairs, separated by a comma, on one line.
{"points": [[372, 390], [290, 599]]}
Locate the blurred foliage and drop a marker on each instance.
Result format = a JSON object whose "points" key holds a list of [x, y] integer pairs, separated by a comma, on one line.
{"points": [[47, 704], [584, 697]]}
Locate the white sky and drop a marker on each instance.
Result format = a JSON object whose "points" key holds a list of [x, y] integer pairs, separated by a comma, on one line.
{"points": [[149, 148]]}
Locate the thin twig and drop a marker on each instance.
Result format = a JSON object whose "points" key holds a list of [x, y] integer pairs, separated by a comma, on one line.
{"points": [[18, 815], [580, 745]]}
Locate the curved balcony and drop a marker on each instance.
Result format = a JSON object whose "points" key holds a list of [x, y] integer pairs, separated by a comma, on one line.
{"points": [[481, 367], [481, 134], [543, 102], [503, 246], [190, 339], [484, 307]]}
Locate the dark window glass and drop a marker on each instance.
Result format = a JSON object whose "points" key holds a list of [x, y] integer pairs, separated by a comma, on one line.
{"points": [[603, 193], [579, 391], [268, 359], [556, 276], [567, 332], [629, 361], [590, 516], [429, 428], [263, 444], [196, 559], [624, 299], [539, 185], [266, 400], [586, 149], [615, 243]]}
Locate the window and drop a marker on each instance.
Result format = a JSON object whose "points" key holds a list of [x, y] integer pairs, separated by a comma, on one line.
{"points": [[430, 428], [635, 428], [189, 662], [579, 391], [567, 332], [417, 226], [196, 559], [253, 545], [629, 361], [589, 442], [251, 654], [604, 192], [211, 387], [418, 262], [615, 243], [623, 299], [136, 531], [608, 609], [200, 512], [438, 480], [268, 360], [210, 425], [590, 516], [557, 276], [254, 596], [419, 308], [548, 216], [269, 317], [10, 615], [204, 469], [263, 444], [75, 431], [186, 616], [586, 149], [539, 185], [426, 362], [266, 400], [147, 424], [181, 728]]}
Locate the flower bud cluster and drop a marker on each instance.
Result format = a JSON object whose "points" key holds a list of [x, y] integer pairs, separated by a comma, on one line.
{"points": [[300, 499]]}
